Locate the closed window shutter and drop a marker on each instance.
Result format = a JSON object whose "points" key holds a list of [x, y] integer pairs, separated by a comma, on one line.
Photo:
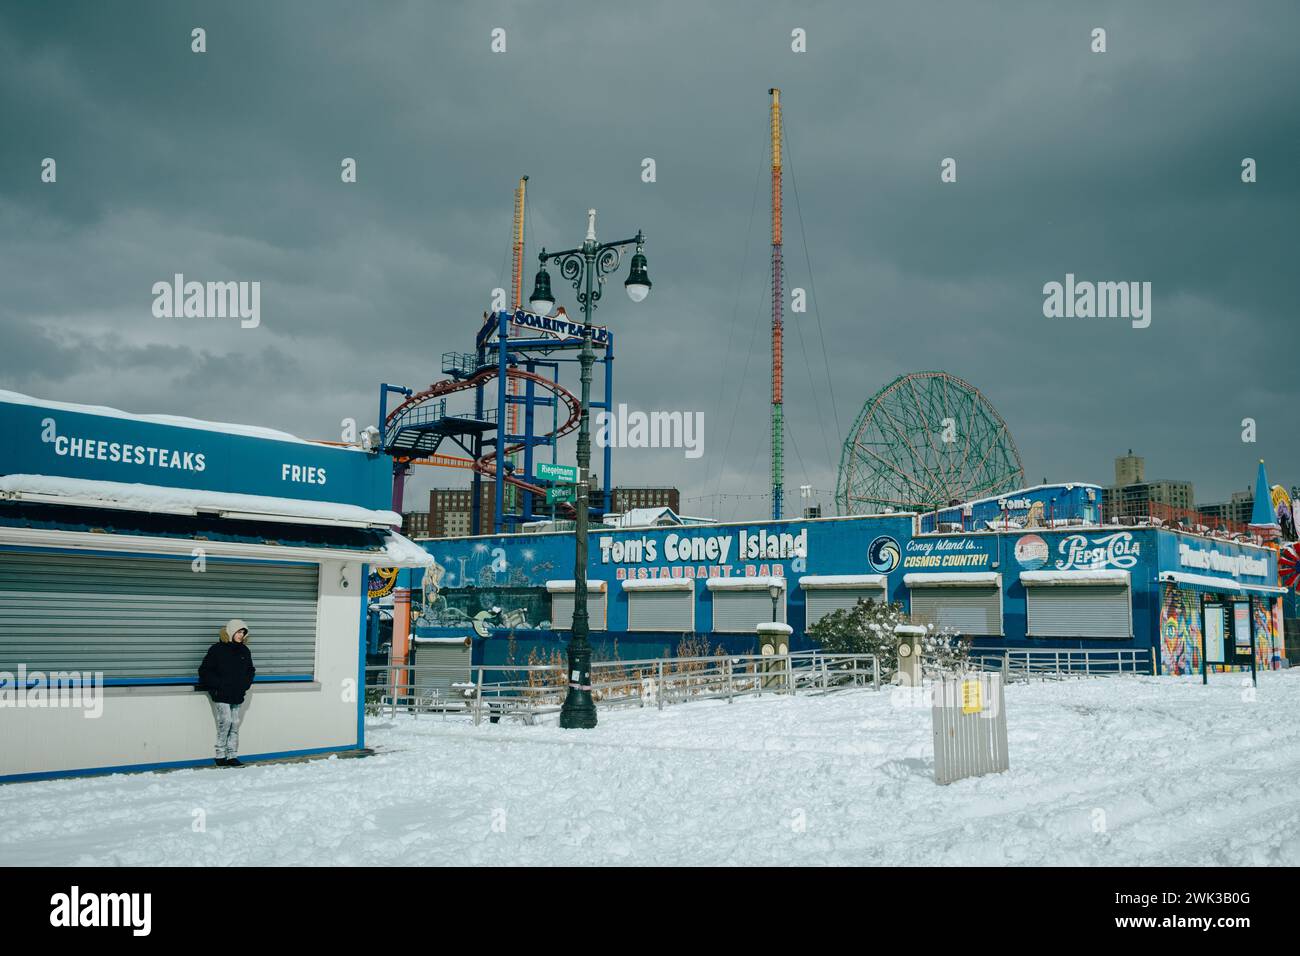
{"points": [[1098, 611], [151, 618], [438, 666], [661, 611], [976, 611], [562, 610], [822, 601], [739, 612]]}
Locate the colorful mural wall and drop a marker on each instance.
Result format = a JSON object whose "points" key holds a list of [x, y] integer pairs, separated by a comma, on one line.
{"points": [[1180, 631], [1268, 645]]}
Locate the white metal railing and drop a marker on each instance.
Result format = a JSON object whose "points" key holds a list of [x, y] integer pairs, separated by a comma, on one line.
{"points": [[525, 691], [1018, 663]]}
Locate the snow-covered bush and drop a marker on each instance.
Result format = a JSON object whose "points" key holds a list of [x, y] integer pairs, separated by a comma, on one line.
{"points": [[868, 628]]}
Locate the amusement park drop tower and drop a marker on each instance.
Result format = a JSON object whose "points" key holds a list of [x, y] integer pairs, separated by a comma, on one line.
{"points": [[778, 330]]}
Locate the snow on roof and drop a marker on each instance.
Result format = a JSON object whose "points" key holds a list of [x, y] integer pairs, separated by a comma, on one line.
{"points": [[659, 584], [658, 517], [401, 552], [571, 585], [1003, 524], [1222, 584], [1074, 577], [251, 431], [842, 581], [1020, 492], [465, 641], [952, 579], [743, 584], [157, 499]]}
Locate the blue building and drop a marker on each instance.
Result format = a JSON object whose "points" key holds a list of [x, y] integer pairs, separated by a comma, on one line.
{"points": [[1039, 505], [127, 541], [1080, 585]]}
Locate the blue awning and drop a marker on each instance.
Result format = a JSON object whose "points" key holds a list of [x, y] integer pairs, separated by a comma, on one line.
{"points": [[1212, 585], [378, 546]]}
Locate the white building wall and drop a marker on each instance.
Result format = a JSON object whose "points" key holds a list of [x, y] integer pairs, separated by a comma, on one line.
{"points": [[148, 725]]}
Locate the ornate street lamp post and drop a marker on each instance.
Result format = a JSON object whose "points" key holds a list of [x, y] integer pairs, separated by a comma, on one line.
{"points": [[586, 267]]}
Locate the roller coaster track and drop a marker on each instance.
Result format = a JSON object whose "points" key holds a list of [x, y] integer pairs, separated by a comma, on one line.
{"points": [[487, 465]]}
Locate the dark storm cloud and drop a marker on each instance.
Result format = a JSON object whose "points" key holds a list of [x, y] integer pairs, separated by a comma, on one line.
{"points": [[226, 166]]}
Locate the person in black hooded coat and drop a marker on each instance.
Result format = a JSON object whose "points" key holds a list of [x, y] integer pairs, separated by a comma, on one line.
{"points": [[226, 674]]}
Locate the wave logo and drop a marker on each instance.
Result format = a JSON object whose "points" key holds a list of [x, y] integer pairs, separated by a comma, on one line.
{"points": [[883, 555]]}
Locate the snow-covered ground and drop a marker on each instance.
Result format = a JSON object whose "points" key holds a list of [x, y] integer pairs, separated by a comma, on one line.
{"points": [[1114, 771]]}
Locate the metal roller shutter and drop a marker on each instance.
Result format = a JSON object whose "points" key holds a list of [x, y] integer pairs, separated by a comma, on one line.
{"points": [[151, 618], [1101, 611], [822, 601], [739, 612], [975, 611], [438, 665], [562, 610], [661, 611]]}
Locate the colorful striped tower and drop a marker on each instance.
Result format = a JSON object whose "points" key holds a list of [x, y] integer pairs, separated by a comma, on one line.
{"points": [[778, 329]]}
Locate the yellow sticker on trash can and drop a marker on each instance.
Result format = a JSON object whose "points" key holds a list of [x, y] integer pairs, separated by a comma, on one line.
{"points": [[972, 697]]}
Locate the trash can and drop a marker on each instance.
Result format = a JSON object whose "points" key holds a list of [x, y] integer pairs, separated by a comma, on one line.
{"points": [[970, 727]]}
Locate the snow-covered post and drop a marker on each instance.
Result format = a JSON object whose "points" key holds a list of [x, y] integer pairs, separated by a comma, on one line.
{"points": [[774, 641], [909, 653], [659, 686]]}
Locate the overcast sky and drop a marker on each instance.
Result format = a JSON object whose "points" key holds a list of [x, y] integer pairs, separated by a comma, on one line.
{"points": [[1123, 165]]}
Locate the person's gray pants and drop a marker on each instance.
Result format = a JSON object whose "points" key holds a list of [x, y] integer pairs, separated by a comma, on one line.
{"points": [[228, 718]]}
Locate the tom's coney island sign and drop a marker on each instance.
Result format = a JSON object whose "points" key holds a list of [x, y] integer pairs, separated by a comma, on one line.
{"points": [[713, 548]]}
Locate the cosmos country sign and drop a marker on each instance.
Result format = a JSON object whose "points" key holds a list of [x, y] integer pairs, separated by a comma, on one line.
{"points": [[947, 554]]}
